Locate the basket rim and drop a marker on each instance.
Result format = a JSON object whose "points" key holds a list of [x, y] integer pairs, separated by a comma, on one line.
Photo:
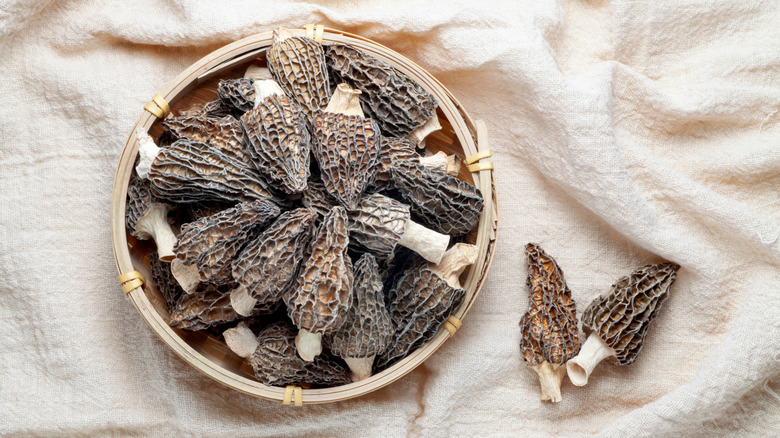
{"points": [[241, 51]]}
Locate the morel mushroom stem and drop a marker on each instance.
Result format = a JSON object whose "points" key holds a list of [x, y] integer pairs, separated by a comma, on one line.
{"points": [[419, 134], [550, 378], [428, 243], [345, 100], [360, 367], [266, 88], [442, 162], [187, 275], [309, 345], [241, 340], [455, 260], [155, 224], [242, 301], [594, 350], [147, 152]]}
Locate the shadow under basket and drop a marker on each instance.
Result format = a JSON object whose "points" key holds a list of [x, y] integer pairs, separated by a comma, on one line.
{"points": [[459, 135]]}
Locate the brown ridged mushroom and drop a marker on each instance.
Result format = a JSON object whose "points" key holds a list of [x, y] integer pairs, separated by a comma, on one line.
{"points": [[399, 104], [297, 64], [238, 94], [201, 310], [166, 283], [268, 264], [223, 133], [319, 302], [273, 357], [367, 329], [188, 171], [147, 218], [618, 320], [424, 297], [443, 202], [550, 335], [346, 146], [317, 198], [277, 137], [206, 248], [379, 223]]}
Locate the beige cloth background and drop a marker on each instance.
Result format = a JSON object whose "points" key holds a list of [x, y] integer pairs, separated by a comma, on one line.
{"points": [[624, 133]]}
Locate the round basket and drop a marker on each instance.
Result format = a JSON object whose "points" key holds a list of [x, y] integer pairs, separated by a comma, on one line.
{"points": [[459, 135]]}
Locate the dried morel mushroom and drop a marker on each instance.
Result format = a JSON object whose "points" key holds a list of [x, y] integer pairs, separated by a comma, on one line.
{"points": [[443, 202], [147, 218], [202, 310], [237, 93], [277, 138], [346, 146], [206, 248], [367, 329], [399, 104], [390, 150], [379, 223], [188, 171], [317, 198], [223, 133], [273, 357], [268, 264], [322, 296], [550, 336], [162, 277], [425, 296], [618, 320], [298, 65]]}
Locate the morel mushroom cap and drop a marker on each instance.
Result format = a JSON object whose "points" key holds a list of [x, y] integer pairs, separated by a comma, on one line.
{"points": [[237, 93], [425, 296], [367, 329], [268, 264], [147, 218], [399, 104], [550, 335], [443, 202], [206, 248], [163, 278], [346, 146], [379, 223], [320, 301], [278, 139], [273, 357], [390, 150], [223, 133], [188, 171], [317, 198], [202, 310], [298, 65], [618, 320]]}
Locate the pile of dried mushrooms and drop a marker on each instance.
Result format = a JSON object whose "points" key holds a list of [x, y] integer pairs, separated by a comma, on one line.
{"points": [[309, 228]]}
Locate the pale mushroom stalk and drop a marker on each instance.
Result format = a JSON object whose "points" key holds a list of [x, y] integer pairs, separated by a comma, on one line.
{"points": [[594, 350], [345, 100], [241, 340], [360, 367], [309, 345], [550, 379], [442, 162], [266, 88], [424, 241], [420, 133], [187, 276], [154, 223], [147, 152], [454, 262], [242, 301]]}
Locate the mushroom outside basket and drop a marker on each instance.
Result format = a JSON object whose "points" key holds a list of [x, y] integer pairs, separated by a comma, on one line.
{"points": [[198, 85]]}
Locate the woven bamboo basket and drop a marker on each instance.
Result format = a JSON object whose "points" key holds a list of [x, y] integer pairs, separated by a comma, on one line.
{"points": [[197, 84]]}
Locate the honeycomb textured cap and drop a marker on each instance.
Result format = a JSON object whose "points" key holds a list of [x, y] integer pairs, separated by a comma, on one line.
{"points": [[278, 141], [367, 330], [377, 224], [298, 66], [323, 292], [267, 266], [397, 103], [276, 361], [223, 133], [622, 316], [204, 309], [549, 329], [211, 243], [442, 202], [188, 171], [346, 149], [238, 94]]}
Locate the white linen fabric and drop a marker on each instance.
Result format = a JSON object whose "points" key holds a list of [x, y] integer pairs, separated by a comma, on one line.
{"points": [[623, 133]]}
